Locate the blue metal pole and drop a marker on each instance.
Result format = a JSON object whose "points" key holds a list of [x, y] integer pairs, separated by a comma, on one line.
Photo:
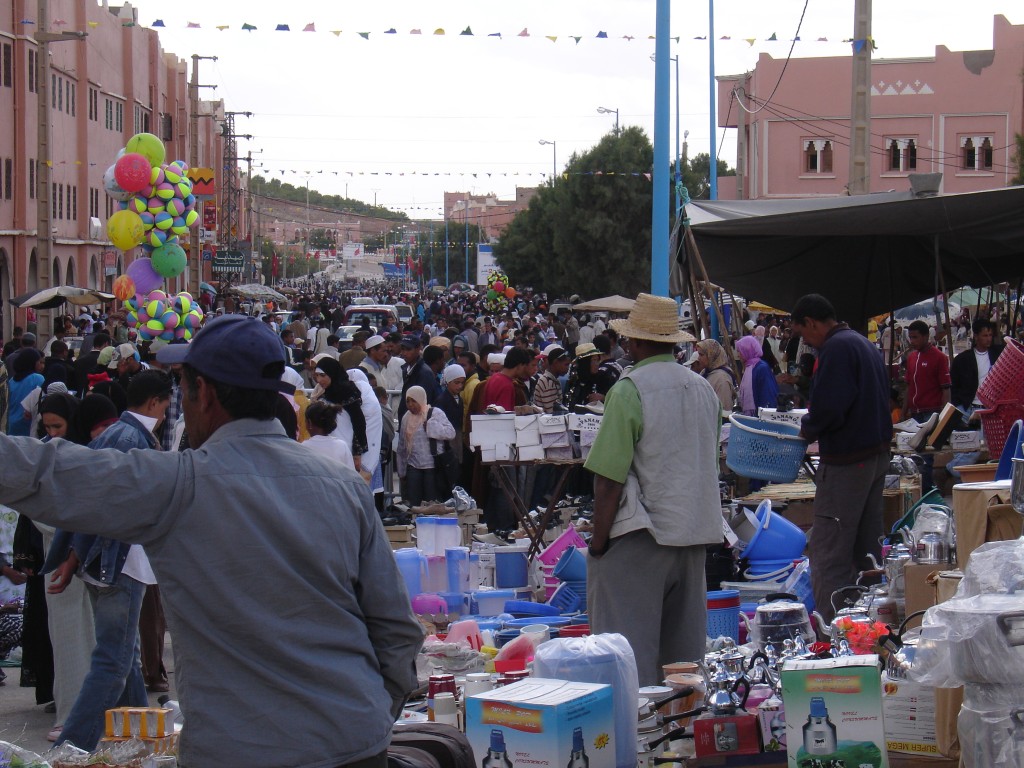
{"points": [[447, 282], [713, 171], [467, 239], [662, 132], [679, 175]]}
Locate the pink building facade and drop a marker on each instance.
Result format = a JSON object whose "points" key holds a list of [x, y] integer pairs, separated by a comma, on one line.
{"points": [[955, 113], [114, 83], [487, 211]]}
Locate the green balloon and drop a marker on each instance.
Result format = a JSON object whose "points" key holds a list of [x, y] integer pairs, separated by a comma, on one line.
{"points": [[492, 295], [169, 260], [149, 146]]}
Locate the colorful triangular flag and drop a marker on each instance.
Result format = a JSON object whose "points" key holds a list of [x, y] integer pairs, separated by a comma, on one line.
{"points": [[336, 32], [725, 37], [415, 32], [773, 39], [222, 27], [364, 35], [391, 31], [191, 25], [248, 27], [602, 35], [494, 34], [524, 33], [577, 39], [552, 38], [467, 31], [282, 28], [750, 41], [439, 31], [311, 27], [159, 23]]}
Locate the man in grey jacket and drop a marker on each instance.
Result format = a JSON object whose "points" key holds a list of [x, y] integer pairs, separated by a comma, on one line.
{"points": [[293, 634]]}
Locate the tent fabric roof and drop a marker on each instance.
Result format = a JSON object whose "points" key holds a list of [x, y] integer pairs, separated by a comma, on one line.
{"points": [[614, 303], [867, 254]]}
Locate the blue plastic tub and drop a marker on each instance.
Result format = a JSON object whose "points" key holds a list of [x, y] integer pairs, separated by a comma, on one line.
{"points": [[764, 450], [551, 621]]}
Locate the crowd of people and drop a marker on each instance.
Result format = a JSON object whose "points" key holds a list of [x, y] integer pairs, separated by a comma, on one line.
{"points": [[257, 432]]}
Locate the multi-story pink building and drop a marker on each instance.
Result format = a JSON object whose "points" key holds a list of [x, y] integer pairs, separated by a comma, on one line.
{"points": [[954, 113], [115, 82], [486, 211]]}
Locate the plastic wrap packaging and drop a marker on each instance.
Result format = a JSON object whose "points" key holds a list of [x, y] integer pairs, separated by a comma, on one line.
{"points": [[991, 727], [16, 757], [131, 753], [995, 567], [606, 658]]}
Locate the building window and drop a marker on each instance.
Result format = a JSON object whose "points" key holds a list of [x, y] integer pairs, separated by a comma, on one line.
{"points": [[53, 91], [33, 58], [70, 216], [976, 153], [53, 200], [8, 178], [119, 117], [108, 117], [817, 156], [7, 64], [167, 128], [72, 98], [94, 203], [31, 179], [901, 155], [94, 101], [74, 203]]}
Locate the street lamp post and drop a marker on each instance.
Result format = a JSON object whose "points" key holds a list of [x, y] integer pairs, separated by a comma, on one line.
{"points": [[678, 173], [554, 158], [608, 111]]}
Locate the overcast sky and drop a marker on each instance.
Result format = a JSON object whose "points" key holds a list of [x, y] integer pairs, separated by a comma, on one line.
{"points": [[334, 105]]}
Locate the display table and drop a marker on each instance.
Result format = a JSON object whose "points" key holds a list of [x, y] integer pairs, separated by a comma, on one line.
{"points": [[534, 531], [799, 500]]}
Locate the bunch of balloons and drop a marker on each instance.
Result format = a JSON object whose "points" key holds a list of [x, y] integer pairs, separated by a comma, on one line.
{"points": [[499, 292], [156, 208], [161, 316]]}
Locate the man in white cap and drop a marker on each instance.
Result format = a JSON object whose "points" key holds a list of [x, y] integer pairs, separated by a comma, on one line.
{"points": [[656, 502]]}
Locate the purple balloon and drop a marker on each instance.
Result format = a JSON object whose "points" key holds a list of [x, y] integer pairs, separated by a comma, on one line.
{"points": [[144, 276]]}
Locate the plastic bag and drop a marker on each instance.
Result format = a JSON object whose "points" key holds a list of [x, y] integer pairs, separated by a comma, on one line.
{"points": [[932, 518], [604, 658], [14, 756]]}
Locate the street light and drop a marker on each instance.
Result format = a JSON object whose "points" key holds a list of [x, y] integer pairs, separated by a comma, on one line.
{"points": [[608, 111], [554, 158]]}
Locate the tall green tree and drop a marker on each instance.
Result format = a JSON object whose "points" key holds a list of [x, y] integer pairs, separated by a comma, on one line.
{"points": [[430, 246], [590, 231], [1018, 158], [696, 173]]}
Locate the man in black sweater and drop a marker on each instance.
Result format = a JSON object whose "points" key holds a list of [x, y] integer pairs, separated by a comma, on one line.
{"points": [[849, 417], [967, 373]]}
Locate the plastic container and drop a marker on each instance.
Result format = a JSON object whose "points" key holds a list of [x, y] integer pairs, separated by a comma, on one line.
{"points": [[437, 574], [572, 565], [446, 534], [457, 562], [511, 568], [997, 423], [768, 570], [764, 450], [474, 571], [425, 534], [551, 621], [1005, 379], [564, 599], [412, 564], [776, 538], [574, 630], [492, 602], [520, 608], [724, 613], [429, 603], [568, 538], [456, 602]]}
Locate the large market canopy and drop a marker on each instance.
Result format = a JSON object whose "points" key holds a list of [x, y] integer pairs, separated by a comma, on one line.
{"points": [[614, 303], [868, 254]]}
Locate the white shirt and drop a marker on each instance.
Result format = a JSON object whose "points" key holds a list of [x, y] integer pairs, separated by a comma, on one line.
{"points": [[332, 447], [984, 364]]}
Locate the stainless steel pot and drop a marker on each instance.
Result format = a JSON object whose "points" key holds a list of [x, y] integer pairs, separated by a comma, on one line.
{"points": [[987, 637]]}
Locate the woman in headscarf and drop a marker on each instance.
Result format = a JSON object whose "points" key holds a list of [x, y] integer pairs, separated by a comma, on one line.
{"points": [[26, 376], [339, 390], [421, 435], [373, 417], [718, 372], [767, 354], [322, 423], [95, 414], [58, 417], [757, 387], [775, 342]]}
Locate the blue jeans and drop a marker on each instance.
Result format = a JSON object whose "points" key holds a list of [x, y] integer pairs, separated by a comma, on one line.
{"points": [[115, 672]]}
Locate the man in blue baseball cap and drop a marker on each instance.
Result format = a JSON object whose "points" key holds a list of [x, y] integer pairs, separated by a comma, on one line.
{"points": [[281, 592]]}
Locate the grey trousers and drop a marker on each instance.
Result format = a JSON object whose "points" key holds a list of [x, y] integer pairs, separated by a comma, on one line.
{"points": [[653, 595], [847, 525]]}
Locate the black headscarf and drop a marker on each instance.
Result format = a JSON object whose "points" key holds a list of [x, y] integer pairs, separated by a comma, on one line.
{"points": [[343, 391], [94, 410], [66, 406], [25, 362]]}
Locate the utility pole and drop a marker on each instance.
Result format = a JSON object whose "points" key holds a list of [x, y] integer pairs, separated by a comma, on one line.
{"points": [[44, 161], [741, 146], [860, 108], [195, 262]]}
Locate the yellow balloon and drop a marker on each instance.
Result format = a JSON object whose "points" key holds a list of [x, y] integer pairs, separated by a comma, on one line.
{"points": [[126, 230]]}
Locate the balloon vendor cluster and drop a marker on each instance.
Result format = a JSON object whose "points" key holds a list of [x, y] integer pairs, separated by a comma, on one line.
{"points": [[157, 207], [499, 292]]}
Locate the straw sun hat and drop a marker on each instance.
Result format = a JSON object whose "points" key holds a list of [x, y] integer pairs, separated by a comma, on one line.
{"points": [[653, 318]]}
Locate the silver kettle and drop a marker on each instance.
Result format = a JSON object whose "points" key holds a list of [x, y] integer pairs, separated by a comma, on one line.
{"points": [[932, 549]]}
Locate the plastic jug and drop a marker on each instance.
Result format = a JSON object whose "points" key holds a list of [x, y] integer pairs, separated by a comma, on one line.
{"points": [[412, 564], [457, 559], [446, 534], [426, 535], [437, 574]]}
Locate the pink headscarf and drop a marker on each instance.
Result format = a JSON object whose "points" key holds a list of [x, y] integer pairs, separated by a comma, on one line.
{"points": [[750, 351], [759, 332]]}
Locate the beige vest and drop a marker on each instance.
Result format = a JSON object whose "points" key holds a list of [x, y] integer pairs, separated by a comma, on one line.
{"points": [[672, 486]]}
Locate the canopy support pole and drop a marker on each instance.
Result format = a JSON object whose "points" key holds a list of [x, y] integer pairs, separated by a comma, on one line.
{"points": [[697, 304], [691, 246], [945, 300]]}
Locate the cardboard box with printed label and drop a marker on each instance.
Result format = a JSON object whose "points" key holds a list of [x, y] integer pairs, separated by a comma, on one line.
{"points": [[585, 421], [786, 417], [549, 423], [834, 712], [489, 430], [527, 430], [530, 452], [966, 441], [538, 722], [909, 710], [730, 735]]}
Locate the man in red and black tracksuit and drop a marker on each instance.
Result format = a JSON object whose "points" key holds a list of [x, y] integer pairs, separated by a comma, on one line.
{"points": [[928, 384]]}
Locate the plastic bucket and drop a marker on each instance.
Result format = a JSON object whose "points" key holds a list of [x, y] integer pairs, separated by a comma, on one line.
{"points": [[456, 602], [511, 568], [457, 560], [776, 538], [413, 566], [724, 622], [492, 602], [769, 570], [572, 565], [554, 550]]}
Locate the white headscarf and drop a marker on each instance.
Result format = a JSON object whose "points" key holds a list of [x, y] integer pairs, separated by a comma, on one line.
{"points": [[374, 420]]}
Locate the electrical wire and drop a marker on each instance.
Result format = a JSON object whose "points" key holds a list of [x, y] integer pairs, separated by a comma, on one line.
{"points": [[785, 64]]}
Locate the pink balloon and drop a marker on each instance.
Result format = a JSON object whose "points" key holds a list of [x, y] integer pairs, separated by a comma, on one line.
{"points": [[145, 277], [132, 172]]}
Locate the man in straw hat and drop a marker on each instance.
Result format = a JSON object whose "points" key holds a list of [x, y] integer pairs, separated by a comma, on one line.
{"points": [[656, 503]]}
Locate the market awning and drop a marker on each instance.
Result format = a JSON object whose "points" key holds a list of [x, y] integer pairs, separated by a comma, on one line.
{"points": [[50, 298], [867, 254], [257, 291], [614, 303]]}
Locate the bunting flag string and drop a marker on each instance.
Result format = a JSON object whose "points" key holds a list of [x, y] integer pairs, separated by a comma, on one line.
{"points": [[472, 174], [857, 45]]}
